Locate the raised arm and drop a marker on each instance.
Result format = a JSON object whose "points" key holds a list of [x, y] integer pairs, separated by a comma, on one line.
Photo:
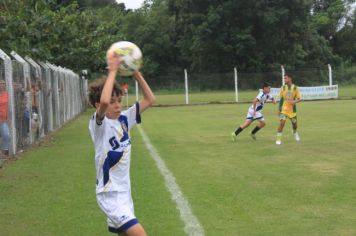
{"points": [[113, 65], [148, 96]]}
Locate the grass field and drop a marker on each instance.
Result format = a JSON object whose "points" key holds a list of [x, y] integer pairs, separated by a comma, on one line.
{"points": [[178, 97], [242, 188]]}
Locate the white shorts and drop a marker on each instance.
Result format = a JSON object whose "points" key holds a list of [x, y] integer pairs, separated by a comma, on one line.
{"points": [[258, 115], [118, 207]]}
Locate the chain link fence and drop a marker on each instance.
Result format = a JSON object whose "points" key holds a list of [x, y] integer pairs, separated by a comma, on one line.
{"points": [[35, 99]]}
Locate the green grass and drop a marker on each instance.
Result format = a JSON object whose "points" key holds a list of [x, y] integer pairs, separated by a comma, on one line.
{"points": [[178, 97], [242, 188], [175, 98], [50, 190], [258, 188], [347, 91]]}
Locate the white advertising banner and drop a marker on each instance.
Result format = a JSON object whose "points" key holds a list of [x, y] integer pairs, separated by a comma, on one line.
{"points": [[312, 93]]}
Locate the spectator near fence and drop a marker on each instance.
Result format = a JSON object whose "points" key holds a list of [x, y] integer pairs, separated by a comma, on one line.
{"points": [[32, 104], [35, 121], [4, 128]]}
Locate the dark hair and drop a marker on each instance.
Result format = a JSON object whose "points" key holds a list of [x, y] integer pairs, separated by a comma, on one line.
{"points": [[266, 84], [96, 88], [289, 75]]}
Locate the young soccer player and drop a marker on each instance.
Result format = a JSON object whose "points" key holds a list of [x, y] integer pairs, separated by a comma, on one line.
{"points": [[109, 129], [289, 97], [254, 112]]}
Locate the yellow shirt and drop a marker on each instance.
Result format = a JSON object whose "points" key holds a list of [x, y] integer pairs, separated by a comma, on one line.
{"points": [[287, 94]]}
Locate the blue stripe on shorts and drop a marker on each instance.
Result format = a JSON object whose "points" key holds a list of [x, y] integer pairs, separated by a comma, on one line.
{"points": [[124, 227]]}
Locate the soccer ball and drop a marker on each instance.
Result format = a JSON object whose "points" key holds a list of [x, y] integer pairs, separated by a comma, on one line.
{"points": [[131, 57]]}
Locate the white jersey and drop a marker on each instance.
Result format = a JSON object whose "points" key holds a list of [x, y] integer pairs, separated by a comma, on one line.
{"points": [[113, 150], [262, 98]]}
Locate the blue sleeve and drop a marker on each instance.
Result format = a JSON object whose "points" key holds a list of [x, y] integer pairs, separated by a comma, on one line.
{"points": [[132, 115]]}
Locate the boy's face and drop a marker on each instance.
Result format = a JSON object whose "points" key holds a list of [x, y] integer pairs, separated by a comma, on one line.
{"points": [[114, 108], [287, 79], [267, 89]]}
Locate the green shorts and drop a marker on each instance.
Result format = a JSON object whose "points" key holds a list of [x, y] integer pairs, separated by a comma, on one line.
{"points": [[283, 116]]}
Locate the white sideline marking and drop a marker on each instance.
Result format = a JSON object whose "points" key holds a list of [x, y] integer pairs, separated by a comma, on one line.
{"points": [[191, 223]]}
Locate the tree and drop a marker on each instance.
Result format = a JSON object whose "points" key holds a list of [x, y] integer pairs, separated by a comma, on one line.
{"points": [[327, 16], [252, 34], [344, 42], [87, 3], [201, 35]]}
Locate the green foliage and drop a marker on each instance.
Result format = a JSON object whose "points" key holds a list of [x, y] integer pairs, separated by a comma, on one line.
{"points": [[152, 30], [254, 35], [344, 42], [327, 15], [202, 36], [87, 3], [66, 36]]}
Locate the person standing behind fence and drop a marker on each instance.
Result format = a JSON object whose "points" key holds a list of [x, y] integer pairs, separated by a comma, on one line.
{"points": [[4, 128], [289, 97], [35, 121]]}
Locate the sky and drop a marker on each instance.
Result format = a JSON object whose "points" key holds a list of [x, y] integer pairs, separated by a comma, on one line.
{"points": [[131, 4], [353, 6]]}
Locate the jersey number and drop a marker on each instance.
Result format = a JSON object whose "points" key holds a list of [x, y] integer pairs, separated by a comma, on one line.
{"points": [[114, 143]]}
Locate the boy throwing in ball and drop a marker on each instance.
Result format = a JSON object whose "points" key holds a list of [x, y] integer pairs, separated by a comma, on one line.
{"points": [[109, 129]]}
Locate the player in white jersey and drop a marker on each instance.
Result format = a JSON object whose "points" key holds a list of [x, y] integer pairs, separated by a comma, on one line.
{"points": [[109, 129], [255, 112]]}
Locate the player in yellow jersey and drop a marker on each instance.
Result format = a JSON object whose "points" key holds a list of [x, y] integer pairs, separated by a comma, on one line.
{"points": [[289, 97]]}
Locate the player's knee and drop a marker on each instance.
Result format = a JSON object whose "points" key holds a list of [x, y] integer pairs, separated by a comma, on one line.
{"points": [[136, 230]]}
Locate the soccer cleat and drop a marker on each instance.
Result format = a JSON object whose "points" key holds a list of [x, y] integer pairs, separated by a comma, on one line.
{"points": [[279, 139], [233, 136], [253, 136], [296, 137]]}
